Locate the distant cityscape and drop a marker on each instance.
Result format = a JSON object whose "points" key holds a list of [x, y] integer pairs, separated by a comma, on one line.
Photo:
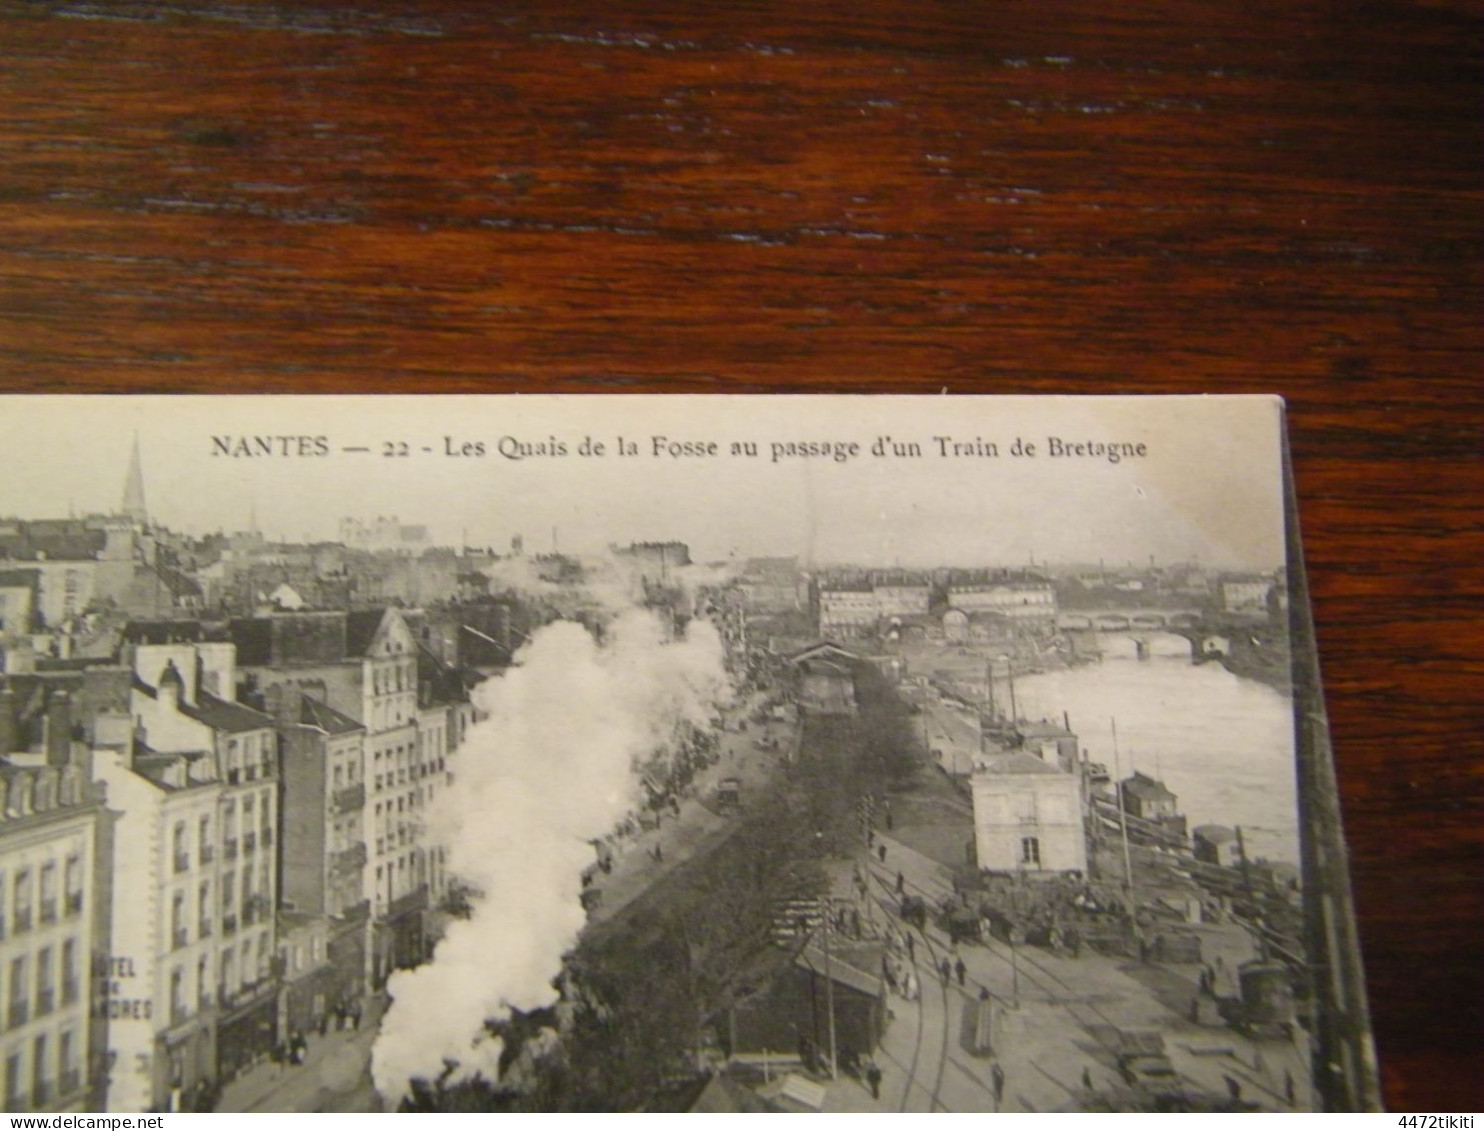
{"points": [[216, 753]]}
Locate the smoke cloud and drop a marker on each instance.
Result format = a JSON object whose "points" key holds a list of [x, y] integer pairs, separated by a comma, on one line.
{"points": [[550, 769]]}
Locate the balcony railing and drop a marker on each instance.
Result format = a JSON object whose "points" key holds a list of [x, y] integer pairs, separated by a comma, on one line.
{"points": [[71, 988], [204, 928], [23, 920], [350, 798], [20, 1012], [229, 849], [229, 924], [46, 1001], [69, 1082], [267, 838], [208, 853], [249, 843], [49, 910], [74, 903], [41, 1093], [181, 937], [182, 863]]}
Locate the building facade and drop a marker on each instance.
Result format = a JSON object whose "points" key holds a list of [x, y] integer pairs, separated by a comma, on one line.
{"points": [[1031, 600], [325, 919], [364, 665], [53, 848], [189, 982], [1027, 817]]}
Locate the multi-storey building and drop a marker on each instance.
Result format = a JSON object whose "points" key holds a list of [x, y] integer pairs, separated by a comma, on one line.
{"points": [[324, 920], [19, 589], [1027, 816], [364, 665], [847, 610], [1245, 593], [190, 988], [902, 599], [1027, 598], [54, 845]]}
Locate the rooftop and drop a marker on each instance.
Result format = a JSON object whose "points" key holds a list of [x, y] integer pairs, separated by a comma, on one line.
{"points": [[1143, 786], [1019, 762], [224, 715], [314, 713]]}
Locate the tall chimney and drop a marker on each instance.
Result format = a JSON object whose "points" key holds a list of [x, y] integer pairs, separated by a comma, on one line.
{"points": [[58, 728], [7, 719]]}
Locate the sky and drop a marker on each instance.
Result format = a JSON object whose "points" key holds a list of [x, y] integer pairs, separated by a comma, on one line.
{"points": [[1207, 488]]}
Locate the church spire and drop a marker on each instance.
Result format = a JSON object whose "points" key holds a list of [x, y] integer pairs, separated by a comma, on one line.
{"points": [[134, 487]]}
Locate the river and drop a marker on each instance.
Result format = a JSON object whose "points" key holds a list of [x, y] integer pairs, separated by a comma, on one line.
{"points": [[1222, 743]]}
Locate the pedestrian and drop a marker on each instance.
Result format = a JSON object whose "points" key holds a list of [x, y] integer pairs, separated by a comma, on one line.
{"points": [[1289, 1092], [889, 821], [911, 949], [1233, 1087], [960, 969], [945, 971], [901, 883], [873, 1078], [997, 1079], [659, 854], [1087, 1079], [882, 851]]}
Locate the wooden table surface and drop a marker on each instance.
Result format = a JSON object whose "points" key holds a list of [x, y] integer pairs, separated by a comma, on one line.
{"points": [[903, 195]]}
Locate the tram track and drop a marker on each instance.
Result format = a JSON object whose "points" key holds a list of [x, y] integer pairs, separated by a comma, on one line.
{"points": [[935, 1103], [1057, 990]]}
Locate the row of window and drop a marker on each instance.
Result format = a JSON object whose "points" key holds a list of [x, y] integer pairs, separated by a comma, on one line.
{"points": [[347, 772], [37, 984], [43, 1070], [255, 830], [388, 680], [34, 898], [400, 876], [256, 905], [251, 757], [239, 969], [400, 769]]}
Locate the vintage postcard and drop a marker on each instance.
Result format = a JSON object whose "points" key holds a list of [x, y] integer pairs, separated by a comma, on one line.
{"points": [[590, 753]]}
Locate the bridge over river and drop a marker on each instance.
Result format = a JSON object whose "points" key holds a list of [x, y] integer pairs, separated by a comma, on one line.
{"points": [[1126, 620]]}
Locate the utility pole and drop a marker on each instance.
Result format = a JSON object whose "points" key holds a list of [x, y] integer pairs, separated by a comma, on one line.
{"points": [[1014, 973], [829, 994], [1242, 858], [1128, 868]]}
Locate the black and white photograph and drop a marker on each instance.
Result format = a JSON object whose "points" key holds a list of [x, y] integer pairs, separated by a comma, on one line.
{"points": [[676, 753]]}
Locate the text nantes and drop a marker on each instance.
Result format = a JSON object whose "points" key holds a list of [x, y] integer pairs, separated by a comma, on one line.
{"points": [[281, 447]]}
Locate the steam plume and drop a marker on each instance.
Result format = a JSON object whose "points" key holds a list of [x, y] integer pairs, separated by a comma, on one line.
{"points": [[550, 769]]}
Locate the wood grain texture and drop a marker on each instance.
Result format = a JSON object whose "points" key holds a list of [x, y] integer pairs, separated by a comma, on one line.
{"points": [[986, 196]]}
